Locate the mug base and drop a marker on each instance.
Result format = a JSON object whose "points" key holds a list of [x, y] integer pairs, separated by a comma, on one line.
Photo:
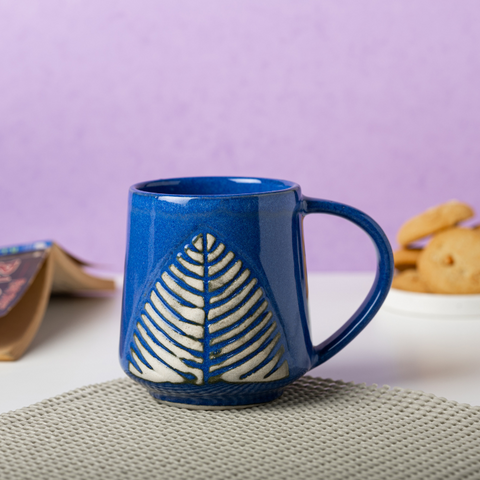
{"points": [[216, 403], [206, 407]]}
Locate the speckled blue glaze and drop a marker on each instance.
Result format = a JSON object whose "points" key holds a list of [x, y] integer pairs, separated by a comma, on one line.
{"points": [[260, 221]]}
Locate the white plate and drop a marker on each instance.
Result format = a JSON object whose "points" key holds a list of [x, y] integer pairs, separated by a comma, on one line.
{"points": [[432, 304]]}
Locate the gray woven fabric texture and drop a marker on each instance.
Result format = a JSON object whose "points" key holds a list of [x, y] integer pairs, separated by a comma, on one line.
{"points": [[319, 429]]}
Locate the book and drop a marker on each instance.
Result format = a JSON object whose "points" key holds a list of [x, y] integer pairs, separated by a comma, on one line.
{"points": [[29, 274]]}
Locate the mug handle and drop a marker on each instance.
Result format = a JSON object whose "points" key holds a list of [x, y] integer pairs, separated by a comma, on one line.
{"points": [[381, 285]]}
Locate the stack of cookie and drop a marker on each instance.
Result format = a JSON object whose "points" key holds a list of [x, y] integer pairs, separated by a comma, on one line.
{"points": [[450, 261]]}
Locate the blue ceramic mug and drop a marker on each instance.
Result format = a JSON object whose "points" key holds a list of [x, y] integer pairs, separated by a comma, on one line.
{"points": [[215, 297]]}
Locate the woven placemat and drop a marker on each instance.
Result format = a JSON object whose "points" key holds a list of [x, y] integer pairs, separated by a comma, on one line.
{"points": [[319, 429]]}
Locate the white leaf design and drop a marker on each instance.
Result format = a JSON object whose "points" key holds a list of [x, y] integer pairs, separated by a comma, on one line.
{"points": [[207, 320]]}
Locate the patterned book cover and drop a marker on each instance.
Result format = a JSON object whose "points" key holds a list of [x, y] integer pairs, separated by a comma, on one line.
{"points": [[18, 267]]}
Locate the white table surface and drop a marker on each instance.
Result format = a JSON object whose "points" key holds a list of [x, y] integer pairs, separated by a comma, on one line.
{"points": [[77, 345]]}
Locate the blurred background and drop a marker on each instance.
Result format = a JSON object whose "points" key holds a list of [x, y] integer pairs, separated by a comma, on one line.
{"points": [[371, 103]]}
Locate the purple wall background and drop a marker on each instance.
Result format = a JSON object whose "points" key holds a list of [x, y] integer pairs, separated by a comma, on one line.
{"points": [[371, 103]]}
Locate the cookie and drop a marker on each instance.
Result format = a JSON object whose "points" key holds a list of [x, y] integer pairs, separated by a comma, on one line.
{"points": [[409, 280], [406, 258], [433, 220], [450, 263]]}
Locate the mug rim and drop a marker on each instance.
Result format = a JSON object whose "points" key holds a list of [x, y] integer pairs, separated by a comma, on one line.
{"points": [[283, 186]]}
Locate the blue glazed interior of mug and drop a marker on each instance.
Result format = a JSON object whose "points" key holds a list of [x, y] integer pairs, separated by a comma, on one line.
{"points": [[205, 186]]}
